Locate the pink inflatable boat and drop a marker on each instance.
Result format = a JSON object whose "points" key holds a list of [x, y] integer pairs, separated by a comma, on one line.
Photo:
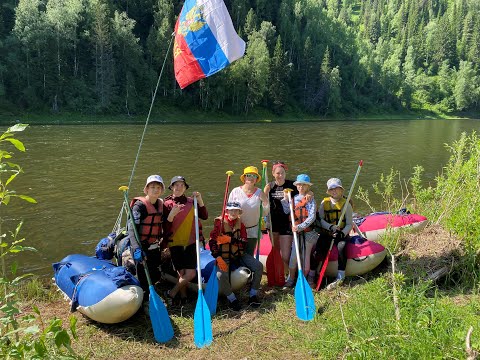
{"points": [[363, 256]]}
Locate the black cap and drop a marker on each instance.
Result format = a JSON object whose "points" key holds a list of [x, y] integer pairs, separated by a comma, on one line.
{"points": [[177, 178]]}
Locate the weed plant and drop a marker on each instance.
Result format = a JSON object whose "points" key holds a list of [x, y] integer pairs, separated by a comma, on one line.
{"points": [[23, 336]]}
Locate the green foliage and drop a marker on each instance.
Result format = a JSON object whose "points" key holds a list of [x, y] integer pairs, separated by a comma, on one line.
{"points": [[455, 200], [23, 335], [103, 56]]}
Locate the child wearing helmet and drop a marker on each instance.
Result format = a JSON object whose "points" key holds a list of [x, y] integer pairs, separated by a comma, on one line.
{"points": [[250, 198], [148, 216], [228, 241], [304, 213], [180, 232], [329, 213]]}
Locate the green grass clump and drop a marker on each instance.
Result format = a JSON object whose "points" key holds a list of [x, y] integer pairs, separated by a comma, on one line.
{"points": [[362, 323]]}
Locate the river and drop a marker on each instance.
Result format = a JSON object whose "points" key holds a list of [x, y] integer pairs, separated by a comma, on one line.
{"points": [[74, 171]]}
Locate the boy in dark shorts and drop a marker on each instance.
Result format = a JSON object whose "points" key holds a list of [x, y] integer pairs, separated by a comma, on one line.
{"points": [[180, 231]]}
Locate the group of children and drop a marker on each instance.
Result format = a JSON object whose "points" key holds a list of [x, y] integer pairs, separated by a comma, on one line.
{"points": [[171, 223]]}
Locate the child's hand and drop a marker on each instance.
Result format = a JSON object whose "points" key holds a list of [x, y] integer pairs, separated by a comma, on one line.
{"points": [[175, 210], [199, 197], [309, 196], [333, 228], [266, 189], [138, 255]]}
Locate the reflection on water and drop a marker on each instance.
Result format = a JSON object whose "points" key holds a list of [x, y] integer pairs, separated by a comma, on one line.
{"points": [[74, 171]]}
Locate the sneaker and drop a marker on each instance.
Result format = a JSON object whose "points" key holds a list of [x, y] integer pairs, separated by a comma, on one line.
{"points": [[234, 305], [335, 284], [311, 280], [169, 301], [254, 302], [288, 284]]}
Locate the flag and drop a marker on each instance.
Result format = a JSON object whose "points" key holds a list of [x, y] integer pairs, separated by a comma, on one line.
{"points": [[205, 41]]}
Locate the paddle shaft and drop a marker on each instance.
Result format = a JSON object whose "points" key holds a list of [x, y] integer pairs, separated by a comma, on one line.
{"points": [[295, 237], [225, 197], [135, 231], [197, 241], [269, 219], [342, 215]]}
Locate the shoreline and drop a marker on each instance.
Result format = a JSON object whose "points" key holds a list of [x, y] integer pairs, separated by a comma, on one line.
{"points": [[170, 116]]}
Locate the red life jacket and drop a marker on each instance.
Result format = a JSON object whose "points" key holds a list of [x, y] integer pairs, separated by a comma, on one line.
{"points": [[150, 230], [301, 214]]}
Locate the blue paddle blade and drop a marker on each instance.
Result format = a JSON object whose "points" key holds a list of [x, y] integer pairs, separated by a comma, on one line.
{"points": [[162, 326], [304, 302], [211, 292], [202, 323]]}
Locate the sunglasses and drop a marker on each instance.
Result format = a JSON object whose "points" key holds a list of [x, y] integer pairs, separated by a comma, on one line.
{"points": [[251, 176]]}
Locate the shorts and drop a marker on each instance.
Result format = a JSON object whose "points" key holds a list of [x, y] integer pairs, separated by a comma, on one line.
{"points": [[281, 225], [310, 237], [184, 257]]}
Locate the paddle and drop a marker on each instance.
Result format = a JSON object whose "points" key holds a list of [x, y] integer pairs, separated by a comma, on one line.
{"points": [[202, 322], [304, 302], [342, 214], [161, 324], [259, 234], [211, 292], [274, 263]]}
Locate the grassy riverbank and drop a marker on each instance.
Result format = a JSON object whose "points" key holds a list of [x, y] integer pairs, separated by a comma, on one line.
{"points": [[357, 321], [165, 114]]}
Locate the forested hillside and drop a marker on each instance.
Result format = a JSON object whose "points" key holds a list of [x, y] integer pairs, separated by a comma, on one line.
{"points": [[324, 57]]}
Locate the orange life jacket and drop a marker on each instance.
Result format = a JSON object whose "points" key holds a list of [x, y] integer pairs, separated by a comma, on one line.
{"points": [[301, 214], [150, 229]]}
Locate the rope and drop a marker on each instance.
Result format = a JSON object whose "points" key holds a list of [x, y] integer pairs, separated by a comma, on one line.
{"points": [[117, 228], [149, 112]]}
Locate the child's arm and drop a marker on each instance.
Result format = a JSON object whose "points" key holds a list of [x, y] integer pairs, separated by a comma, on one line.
{"points": [[348, 219], [213, 247], [285, 203], [217, 229], [265, 203], [202, 210], [242, 241]]}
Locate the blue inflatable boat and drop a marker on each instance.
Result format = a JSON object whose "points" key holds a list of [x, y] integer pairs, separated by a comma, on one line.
{"points": [[98, 289]]}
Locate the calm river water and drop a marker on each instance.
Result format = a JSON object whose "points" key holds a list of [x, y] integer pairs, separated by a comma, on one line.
{"points": [[74, 171]]}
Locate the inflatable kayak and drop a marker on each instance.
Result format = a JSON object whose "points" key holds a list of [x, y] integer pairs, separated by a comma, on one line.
{"points": [[373, 226], [98, 289], [363, 256]]}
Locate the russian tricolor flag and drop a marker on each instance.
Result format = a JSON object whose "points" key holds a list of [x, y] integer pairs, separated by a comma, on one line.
{"points": [[205, 41]]}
